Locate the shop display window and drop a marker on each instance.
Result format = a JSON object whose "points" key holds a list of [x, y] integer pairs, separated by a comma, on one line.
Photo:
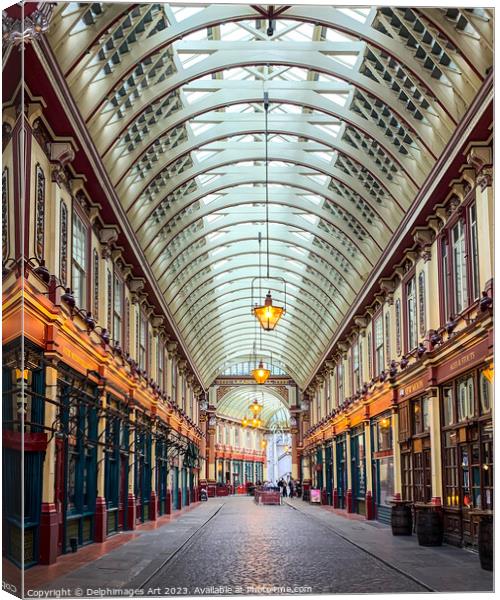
{"points": [[421, 415]]}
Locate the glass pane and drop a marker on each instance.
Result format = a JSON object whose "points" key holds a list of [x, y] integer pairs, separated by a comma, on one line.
{"points": [[448, 406], [485, 391]]}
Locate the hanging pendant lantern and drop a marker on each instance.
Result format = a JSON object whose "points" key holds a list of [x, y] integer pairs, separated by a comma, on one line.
{"points": [[260, 374], [244, 422], [268, 315], [256, 408]]}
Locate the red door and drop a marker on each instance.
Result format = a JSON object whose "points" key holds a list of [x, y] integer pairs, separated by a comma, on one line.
{"points": [[59, 493]]}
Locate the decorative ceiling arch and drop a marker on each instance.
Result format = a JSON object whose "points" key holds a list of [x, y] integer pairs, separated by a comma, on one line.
{"points": [[235, 404], [362, 103]]}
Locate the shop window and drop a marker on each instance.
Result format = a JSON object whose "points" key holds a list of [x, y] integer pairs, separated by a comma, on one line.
{"points": [[448, 408], [485, 394], [384, 434], [228, 437], [465, 398], [79, 261], [378, 331], [411, 315], [474, 252], [422, 476], [450, 474], [421, 415], [117, 309], [406, 477], [236, 438], [459, 266]]}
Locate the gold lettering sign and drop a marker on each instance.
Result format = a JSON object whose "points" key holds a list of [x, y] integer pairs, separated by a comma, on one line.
{"points": [[463, 360], [411, 388]]}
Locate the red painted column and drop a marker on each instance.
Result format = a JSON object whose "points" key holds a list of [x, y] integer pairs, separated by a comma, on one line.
{"points": [[335, 498], [370, 507], [153, 506], [100, 523], [168, 503], [131, 511], [350, 507], [49, 529], [179, 499]]}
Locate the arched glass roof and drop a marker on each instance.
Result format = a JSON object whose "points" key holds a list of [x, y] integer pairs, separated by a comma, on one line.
{"points": [[236, 402], [362, 104]]}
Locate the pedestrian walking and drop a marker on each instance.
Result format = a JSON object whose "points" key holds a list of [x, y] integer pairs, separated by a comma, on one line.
{"points": [[290, 488], [284, 488]]}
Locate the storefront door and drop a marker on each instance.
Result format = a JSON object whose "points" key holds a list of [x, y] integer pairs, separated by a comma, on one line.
{"points": [[329, 474], [358, 470], [341, 471]]}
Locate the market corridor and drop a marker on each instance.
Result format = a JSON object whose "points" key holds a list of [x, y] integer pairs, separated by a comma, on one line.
{"points": [[233, 546]]}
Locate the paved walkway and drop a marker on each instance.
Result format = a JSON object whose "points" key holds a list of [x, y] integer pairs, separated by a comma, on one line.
{"points": [[232, 546], [441, 568]]}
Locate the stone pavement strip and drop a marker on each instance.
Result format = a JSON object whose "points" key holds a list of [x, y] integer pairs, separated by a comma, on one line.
{"points": [[232, 546], [442, 568]]}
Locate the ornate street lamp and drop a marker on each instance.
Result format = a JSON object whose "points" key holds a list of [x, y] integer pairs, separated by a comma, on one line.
{"points": [[268, 314]]}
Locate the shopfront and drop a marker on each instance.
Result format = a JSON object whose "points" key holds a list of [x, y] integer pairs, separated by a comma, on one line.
{"points": [[142, 466], [358, 470], [382, 466], [249, 472], [329, 473], [28, 407], [237, 479], [341, 471], [76, 459], [318, 471], [467, 452], [175, 487], [116, 463], [162, 467]]}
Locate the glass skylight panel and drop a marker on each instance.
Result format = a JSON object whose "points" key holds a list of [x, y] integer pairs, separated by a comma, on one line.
{"points": [[313, 198], [184, 12], [209, 198], [214, 217], [199, 128], [194, 96], [232, 32], [340, 99], [310, 218], [188, 60], [359, 14]]}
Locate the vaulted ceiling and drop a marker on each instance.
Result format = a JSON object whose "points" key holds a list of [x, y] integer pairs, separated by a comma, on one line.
{"points": [[362, 104]]}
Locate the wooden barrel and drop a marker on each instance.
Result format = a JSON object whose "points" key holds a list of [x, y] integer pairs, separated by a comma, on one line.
{"points": [[485, 542], [429, 528], [401, 521]]}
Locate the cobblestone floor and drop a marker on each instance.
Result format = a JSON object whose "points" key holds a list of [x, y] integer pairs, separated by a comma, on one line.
{"points": [[261, 549], [232, 546]]}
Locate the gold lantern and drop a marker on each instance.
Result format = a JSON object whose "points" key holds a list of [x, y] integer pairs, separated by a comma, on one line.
{"points": [[267, 314]]}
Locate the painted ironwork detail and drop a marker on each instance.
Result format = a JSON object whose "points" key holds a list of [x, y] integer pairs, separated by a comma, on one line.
{"points": [[16, 32], [388, 338], [5, 214], [40, 213], [96, 283], [63, 249], [110, 299], [127, 326]]}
